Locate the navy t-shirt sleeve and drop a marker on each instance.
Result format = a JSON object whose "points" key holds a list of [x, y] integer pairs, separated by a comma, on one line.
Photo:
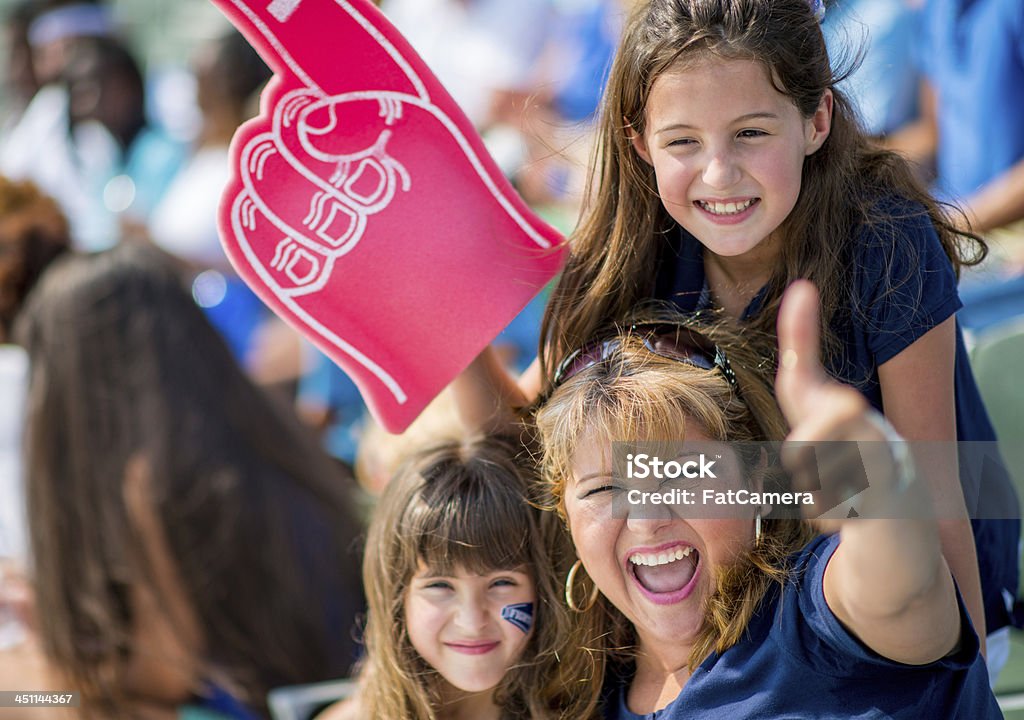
{"points": [[905, 283], [830, 647]]}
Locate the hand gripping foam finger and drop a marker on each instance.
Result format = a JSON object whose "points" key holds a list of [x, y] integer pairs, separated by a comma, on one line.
{"points": [[364, 209]]}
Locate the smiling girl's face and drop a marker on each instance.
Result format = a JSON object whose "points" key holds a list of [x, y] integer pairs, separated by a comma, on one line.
{"points": [[471, 628], [728, 151]]}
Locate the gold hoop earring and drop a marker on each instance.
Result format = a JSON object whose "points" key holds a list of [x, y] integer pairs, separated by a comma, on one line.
{"points": [[757, 530], [569, 580]]}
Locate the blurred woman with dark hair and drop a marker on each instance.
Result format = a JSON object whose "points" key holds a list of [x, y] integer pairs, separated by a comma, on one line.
{"points": [[191, 542]]}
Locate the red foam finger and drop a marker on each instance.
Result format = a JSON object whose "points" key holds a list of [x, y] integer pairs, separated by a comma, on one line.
{"points": [[329, 46], [364, 209]]}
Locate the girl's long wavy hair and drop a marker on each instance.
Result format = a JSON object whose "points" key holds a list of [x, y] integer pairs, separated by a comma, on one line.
{"points": [[125, 368], [637, 395], [468, 505], [847, 184]]}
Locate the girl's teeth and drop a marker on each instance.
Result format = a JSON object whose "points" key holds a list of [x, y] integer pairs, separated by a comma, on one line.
{"points": [[726, 208], [653, 559]]}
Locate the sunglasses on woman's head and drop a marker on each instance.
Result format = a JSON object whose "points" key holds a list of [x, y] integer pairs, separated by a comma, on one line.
{"points": [[675, 342]]}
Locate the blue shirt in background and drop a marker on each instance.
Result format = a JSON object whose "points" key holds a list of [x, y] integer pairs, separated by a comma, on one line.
{"points": [[884, 89], [972, 52]]}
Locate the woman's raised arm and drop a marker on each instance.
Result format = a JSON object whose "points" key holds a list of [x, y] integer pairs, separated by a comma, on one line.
{"points": [[887, 582]]}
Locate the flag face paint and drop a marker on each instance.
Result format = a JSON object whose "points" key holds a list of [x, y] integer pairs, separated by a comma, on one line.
{"points": [[520, 615], [365, 211]]}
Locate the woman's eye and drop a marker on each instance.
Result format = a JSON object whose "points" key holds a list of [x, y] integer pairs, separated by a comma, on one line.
{"points": [[598, 490], [438, 585], [681, 483], [751, 133], [681, 142], [504, 582]]}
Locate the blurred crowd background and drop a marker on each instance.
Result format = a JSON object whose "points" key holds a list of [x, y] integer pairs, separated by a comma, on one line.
{"points": [[122, 113]]}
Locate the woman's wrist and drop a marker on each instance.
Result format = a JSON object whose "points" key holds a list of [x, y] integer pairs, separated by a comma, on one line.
{"points": [[903, 472]]}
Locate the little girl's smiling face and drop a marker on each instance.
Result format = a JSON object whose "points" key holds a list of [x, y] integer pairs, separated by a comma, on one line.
{"points": [[728, 150], [471, 628]]}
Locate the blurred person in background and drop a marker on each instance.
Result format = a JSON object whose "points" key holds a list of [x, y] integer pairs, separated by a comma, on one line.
{"points": [[37, 145], [126, 163], [884, 86], [485, 52], [971, 54], [228, 75], [558, 127], [192, 545], [32, 234], [85, 138], [20, 84], [57, 27]]}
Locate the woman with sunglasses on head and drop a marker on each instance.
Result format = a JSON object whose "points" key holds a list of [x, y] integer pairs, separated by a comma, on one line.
{"points": [[742, 615]]}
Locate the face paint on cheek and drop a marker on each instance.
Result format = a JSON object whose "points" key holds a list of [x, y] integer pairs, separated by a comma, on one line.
{"points": [[520, 615]]}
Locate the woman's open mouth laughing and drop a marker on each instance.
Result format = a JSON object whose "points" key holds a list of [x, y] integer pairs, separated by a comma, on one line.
{"points": [[667, 574]]}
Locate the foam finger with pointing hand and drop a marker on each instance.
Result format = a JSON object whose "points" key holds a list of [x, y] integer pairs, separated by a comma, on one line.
{"points": [[364, 209]]}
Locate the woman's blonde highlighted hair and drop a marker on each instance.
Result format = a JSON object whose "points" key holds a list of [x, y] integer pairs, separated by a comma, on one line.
{"points": [[637, 395], [468, 505]]}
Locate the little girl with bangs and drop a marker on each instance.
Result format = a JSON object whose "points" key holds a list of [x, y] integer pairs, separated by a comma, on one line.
{"points": [[465, 613]]}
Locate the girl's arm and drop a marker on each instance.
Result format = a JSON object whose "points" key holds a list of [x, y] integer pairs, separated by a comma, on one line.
{"points": [[918, 139], [918, 396], [887, 582], [531, 381], [486, 395], [999, 202], [342, 710]]}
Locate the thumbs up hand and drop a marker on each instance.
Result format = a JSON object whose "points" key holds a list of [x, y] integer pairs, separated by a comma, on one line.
{"points": [[364, 209], [838, 445], [887, 582]]}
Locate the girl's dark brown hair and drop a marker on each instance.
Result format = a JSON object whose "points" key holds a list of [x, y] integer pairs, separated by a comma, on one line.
{"points": [[468, 505], [125, 369], [848, 184]]}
